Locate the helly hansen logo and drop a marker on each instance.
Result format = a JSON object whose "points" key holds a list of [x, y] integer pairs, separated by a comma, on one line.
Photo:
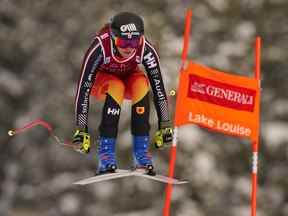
{"points": [[150, 60], [113, 111], [129, 27], [221, 94]]}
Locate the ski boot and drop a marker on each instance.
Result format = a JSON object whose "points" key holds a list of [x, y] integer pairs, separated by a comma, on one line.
{"points": [[142, 158], [106, 156]]}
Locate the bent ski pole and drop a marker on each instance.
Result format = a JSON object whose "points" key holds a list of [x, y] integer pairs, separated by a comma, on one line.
{"points": [[46, 125]]}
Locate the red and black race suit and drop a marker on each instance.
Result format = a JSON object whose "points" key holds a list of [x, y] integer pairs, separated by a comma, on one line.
{"points": [[101, 56]]}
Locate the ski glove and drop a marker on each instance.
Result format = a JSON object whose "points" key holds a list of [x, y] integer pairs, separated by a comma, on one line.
{"points": [[164, 135], [82, 138]]}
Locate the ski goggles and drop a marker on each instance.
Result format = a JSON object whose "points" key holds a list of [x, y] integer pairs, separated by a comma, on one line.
{"points": [[125, 43]]}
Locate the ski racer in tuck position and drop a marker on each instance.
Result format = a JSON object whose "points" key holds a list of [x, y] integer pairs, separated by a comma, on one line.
{"points": [[110, 72]]}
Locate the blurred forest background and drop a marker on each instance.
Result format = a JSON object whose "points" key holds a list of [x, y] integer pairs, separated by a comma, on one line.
{"points": [[42, 44]]}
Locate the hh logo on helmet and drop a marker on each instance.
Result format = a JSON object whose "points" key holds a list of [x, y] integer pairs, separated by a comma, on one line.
{"points": [[129, 27]]}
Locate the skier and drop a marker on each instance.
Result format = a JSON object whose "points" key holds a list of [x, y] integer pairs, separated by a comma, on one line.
{"points": [[110, 72]]}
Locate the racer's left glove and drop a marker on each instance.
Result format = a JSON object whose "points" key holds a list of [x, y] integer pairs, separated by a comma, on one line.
{"points": [[164, 135], [82, 138]]}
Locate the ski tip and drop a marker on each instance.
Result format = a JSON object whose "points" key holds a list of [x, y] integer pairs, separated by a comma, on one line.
{"points": [[78, 183], [176, 182], [183, 182]]}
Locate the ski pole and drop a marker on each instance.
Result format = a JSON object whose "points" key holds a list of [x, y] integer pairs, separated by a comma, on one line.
{"points": [[46, 125]]}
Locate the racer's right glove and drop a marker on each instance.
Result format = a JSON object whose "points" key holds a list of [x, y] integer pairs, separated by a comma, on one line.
{"points": [[82, 138]]}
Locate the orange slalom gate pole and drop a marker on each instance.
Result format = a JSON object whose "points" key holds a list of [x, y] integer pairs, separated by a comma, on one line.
{"points": [[258, 59], [168, 195], [167, 204], [255, 144], [186, 37]]}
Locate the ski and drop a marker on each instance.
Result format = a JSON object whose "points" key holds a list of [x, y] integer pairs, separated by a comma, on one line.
{"points": [[120, 173], [104, 177], [158, 177]]}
